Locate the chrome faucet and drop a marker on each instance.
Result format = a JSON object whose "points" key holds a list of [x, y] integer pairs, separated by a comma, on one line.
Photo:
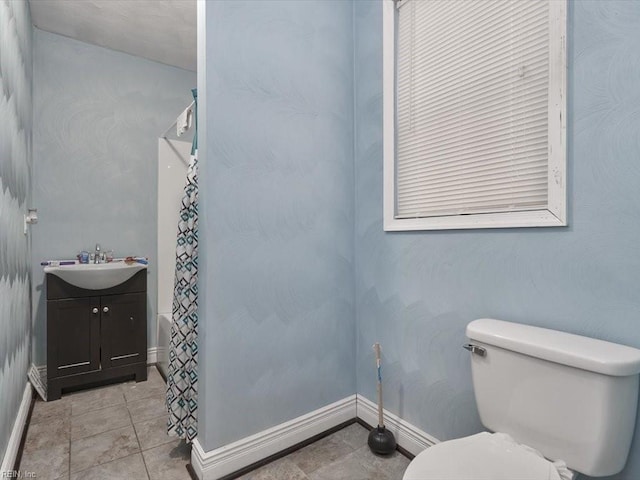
{"points": [[97, 254]]}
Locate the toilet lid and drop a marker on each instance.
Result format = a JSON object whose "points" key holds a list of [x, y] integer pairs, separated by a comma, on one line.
{"points": [[484, 456]]}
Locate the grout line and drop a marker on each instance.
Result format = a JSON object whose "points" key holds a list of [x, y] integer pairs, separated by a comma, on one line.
{"points": [[151, 394], [106, 463], [141, 398], [132, 424], [135, 432], [100, 433], [69, 470], [287, 451], [69, 398], [110, 430], [172, 440], [146, 420], [45, 418], [95, 410]]}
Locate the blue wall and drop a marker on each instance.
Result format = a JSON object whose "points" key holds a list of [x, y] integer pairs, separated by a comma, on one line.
{"points": [[97, 118], [15, 199], [276, 278], [415, 292]]}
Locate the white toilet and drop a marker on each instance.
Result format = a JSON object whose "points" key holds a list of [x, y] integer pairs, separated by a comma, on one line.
{"points": [[555, 400]]}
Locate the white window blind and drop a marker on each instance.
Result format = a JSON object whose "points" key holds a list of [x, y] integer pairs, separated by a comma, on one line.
{"points": [[472, 82]]}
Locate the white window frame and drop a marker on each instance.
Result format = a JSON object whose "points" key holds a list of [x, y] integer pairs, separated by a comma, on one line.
{"points": [[555, 214]]}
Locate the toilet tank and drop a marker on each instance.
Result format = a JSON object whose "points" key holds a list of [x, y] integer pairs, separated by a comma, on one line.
{"points": [[570, 397]]}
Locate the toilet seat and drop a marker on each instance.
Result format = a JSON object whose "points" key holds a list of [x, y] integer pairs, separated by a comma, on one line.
{"points": [[484, 456]]}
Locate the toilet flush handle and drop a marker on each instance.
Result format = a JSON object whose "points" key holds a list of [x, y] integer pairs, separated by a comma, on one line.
{"points": [[475, 349]]}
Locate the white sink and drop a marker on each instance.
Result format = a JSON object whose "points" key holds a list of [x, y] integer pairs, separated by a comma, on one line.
{"points": [[96, 276]]}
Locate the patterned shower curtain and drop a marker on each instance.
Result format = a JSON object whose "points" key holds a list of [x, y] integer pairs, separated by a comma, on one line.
{"points": [[182, 376]]}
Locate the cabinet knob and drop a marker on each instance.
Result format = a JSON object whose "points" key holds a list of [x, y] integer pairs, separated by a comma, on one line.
{"points": [[105, 309], [95, 310]]}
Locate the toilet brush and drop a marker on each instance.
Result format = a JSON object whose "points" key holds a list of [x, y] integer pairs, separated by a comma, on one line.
{"points": [[381, 440]]}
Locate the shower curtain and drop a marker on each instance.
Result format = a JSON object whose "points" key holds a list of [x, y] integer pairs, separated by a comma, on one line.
{"points": [[182, 375]]}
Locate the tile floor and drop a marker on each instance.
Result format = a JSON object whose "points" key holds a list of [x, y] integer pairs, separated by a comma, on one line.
{"points": [[343, 455], [118, 431], [111, 432]]}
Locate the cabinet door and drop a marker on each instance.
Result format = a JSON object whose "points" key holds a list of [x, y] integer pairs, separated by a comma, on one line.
{"points": [[73, 336], [123, 329]]}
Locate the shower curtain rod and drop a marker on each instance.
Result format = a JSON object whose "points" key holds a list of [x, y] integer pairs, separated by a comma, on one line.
{"points": [[166, 132]]}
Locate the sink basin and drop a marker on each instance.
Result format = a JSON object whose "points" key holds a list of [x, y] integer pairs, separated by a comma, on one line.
{"points": [[96, 276]]}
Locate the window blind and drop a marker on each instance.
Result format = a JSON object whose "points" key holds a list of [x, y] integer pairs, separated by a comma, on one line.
{"points": [[472, 80]]}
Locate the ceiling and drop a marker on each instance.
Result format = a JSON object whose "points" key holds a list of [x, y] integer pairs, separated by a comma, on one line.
{"points": [[160, 30]]}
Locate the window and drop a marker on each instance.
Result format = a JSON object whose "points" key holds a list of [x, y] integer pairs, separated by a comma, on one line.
{"points": [[474, 114]]}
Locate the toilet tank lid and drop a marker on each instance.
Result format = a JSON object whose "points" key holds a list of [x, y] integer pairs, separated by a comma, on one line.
{"points": [[560, 347]]}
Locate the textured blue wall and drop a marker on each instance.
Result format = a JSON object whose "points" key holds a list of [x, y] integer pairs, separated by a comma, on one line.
{"points": [[277, 214], [15, 193], [97, 118], [416, 292]]}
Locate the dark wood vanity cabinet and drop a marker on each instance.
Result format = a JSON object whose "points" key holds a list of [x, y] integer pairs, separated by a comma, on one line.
{"points": [[123, 329], [95, 335], [73, 336]]}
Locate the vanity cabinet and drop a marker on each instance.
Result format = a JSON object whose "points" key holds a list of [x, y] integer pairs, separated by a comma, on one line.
{"points": [[95, 336]]}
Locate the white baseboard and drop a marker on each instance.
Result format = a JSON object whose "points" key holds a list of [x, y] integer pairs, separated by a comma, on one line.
{"points": [[407, 436], [152, 355], [231, 458], [11, 453]]}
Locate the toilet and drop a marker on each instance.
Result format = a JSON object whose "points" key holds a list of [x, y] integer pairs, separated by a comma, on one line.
{"points": [[558, 404]]}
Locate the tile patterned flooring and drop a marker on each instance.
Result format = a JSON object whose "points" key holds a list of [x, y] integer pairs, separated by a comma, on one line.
{"points": [[111, 432], [118, 431], [343, 455]]}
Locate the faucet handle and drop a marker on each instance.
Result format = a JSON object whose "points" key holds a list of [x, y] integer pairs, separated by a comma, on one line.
{"points": [[97, 247]]}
